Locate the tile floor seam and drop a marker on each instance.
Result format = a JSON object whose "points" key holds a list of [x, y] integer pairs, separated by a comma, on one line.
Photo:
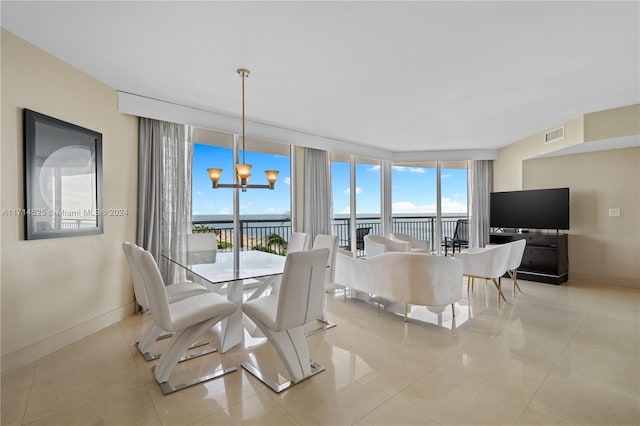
{"points": [[24, 411], [78, 405], [89, 364], [372, 410], [555, 364]]}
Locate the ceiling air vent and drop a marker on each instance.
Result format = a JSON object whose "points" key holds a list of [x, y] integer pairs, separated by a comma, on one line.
{"points": [[554, 135]]}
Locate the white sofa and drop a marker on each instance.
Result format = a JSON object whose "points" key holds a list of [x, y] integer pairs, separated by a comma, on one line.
{"points": [[407, 278]]}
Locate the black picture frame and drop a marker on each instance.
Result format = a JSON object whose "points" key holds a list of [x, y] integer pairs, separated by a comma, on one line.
{"points": [[62, 178]]}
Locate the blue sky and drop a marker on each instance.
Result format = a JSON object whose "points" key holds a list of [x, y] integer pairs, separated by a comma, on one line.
{"points": [[413, 188]]}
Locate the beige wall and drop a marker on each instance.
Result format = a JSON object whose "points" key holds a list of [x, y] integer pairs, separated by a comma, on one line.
{"points": [[507, 168], [601, 248], [55, 291], [612, 123]]}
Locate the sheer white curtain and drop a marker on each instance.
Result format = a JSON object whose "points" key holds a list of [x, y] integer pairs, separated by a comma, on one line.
{"points": [[165, 161], [481, 187], [317, 193]]}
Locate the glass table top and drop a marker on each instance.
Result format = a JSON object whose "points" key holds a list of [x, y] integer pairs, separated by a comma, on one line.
{"points": [[220, 266]]}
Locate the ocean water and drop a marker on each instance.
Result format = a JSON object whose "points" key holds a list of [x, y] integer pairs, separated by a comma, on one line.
{"points": [[261, 227]]}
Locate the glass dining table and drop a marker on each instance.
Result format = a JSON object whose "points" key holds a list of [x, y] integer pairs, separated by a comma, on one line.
{"points": [[251, 271]]}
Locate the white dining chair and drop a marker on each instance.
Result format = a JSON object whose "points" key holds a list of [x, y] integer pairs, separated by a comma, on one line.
{"points": [[175, 292], [281, 316], [298, 241], [329, 242], [188, 319], [201, 248]]}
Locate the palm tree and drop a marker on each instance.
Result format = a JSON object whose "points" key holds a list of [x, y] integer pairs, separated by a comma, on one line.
{"points": [[279, 243]]}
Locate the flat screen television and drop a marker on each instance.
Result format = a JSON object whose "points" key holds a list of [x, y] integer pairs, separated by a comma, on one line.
{"points": [[532, 209]]}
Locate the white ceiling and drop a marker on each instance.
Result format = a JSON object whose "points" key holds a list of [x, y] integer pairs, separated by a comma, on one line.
{"points": [[398, 76]]}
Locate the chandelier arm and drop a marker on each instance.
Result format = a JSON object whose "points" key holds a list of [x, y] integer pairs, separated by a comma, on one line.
{"points": [[243, 170], [243, 149]]}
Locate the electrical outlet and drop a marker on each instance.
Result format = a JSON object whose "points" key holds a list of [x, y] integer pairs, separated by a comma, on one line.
{"points": [[614, 212]]}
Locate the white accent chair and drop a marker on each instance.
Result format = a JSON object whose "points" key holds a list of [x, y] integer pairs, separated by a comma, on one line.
{"points": [[415, 245], [175, 292], [375, 245], [188, 319], [281, 316], [408, 278], [515, 259], [298, 241], [489, 263]]}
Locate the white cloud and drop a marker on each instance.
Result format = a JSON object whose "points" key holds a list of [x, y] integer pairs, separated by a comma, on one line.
{"points": [[448, 206], [348, 190], [403, 169], [346, 210], [451, 206], [199, 193], [444, 176], [287, 180], [374, 168]]}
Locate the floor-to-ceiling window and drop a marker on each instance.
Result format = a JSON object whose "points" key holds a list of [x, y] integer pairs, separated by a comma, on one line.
{"points": [[264, 215], [416, 208], [414, 195], [368, 194], [454, 197], [340, 188]]}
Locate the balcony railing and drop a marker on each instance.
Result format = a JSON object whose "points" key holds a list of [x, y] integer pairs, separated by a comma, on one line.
{"points": [[272, 234]]}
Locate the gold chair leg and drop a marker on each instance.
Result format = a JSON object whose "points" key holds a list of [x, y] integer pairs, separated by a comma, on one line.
{"points": [[514, 275], [497, 284], [406, 310]]}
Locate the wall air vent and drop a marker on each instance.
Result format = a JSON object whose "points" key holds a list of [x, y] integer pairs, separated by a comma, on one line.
{"points": [[554, 135]]}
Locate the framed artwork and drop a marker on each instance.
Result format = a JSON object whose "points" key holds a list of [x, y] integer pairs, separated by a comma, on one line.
{"points": [[63, 178]]}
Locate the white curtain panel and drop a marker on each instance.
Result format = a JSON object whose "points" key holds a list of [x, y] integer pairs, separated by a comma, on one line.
{"points": [[481, 187], [317, 193], [165, 161]]}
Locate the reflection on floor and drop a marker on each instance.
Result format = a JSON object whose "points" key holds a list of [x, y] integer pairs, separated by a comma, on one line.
{"points": [[552, 355]]}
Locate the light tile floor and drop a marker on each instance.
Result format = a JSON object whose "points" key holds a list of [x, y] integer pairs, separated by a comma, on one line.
{"points": [[553, 355]]}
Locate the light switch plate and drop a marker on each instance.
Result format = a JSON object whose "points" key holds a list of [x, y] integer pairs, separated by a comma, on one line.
{"points": [[614, 212]]}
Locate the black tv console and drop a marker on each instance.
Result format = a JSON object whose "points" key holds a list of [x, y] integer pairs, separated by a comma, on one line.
{"points": [[545, 259]]}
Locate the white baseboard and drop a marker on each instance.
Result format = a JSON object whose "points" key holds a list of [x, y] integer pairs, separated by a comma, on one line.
{"points": [[17, 359]]}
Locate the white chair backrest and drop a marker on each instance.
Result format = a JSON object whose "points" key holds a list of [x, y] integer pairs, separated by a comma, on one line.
{"points": [[154, 284], [202, 241], [517, 251], [329, 242], [301, 295], [413, 242], [497, 265], [138, 285], [375, 245], [201, 248], [298, 241]]}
